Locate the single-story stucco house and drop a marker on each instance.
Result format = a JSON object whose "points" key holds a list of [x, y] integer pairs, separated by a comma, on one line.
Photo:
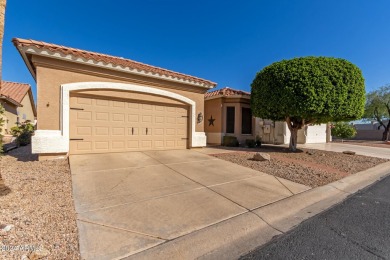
{"points": [[228, 113], [90, 102], [18, 102]]}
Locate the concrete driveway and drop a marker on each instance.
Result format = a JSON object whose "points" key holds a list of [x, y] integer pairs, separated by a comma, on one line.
{"points": [[129, 202]]}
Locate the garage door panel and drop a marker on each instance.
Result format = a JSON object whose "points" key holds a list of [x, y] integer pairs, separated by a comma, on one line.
{"points": [[101, 102], [132, 131], [102, 116], [84, 115], [102, 131], [118, 131], [102, 145], [133, 118], [117, 126], [118, 117]]}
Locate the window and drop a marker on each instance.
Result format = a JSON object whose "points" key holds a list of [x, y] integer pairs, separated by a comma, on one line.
{"points": [[246, 123], [24, 116], [230, 111]]}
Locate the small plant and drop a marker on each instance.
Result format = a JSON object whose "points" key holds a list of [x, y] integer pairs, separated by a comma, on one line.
{"points": [[343, 130], [230, 141], [23, 132], [258, 141]]}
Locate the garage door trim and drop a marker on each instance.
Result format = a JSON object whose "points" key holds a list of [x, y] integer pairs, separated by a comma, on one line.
{"points": [[196, 138]]}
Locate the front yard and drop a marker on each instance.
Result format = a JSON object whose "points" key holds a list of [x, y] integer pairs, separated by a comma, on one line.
{"points": [[309, 167], [37, 210], [37, 206]]}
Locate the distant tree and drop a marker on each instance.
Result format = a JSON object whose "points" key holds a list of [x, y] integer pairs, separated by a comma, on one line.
{"points": [[343, 130], [378, 108], [308, 90]]}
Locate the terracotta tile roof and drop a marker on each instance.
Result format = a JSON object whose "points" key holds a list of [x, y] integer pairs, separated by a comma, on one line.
{"points": [[226, 92], [109, 59], [14, 90]]}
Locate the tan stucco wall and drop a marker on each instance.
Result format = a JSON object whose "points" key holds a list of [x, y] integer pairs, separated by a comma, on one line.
{"points": [[26, 109], [213, 108], [217, 107], [10, 117], [51, 74]]}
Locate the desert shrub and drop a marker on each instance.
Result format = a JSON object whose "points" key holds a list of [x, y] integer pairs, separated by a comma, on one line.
{"points": [[343, 130], [250, 143], [230, 141], [258, 141], [23, 132]]}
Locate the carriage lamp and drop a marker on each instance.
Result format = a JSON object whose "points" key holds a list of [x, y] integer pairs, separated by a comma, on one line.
{"points": [[200, 118]]}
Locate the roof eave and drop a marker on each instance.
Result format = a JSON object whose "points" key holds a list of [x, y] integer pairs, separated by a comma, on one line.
{"points": [[10, 100], [24, 50], [27, 61], [231, 96]]}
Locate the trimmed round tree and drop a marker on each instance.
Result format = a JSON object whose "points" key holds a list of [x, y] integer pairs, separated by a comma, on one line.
{"points": [[308, 90]]}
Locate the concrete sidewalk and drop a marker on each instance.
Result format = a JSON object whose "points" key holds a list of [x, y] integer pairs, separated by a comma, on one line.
{"points": [[340, 147]]}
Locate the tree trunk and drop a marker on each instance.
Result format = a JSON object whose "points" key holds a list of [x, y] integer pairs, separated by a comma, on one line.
{"points": [[293, 139], [385, 136], [294, 124]]}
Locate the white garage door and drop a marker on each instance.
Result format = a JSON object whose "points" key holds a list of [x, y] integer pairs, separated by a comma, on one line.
{"points": [[103, 125]]}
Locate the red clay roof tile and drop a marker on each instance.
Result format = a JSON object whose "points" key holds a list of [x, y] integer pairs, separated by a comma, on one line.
{"points": [[225, 92], [109, 59], [14, 90]]}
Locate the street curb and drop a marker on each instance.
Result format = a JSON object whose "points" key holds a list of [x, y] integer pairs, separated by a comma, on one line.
{"points": [[237, 236]]}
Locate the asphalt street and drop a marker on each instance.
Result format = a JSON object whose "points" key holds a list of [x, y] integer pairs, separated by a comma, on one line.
{"points": [[358, 228]]}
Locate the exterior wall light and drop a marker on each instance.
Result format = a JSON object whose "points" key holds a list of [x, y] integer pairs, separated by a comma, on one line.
{"points": [[200, 118]]}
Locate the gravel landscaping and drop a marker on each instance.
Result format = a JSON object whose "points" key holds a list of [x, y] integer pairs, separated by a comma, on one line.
{"points": [[37, 211], [309, 167]]}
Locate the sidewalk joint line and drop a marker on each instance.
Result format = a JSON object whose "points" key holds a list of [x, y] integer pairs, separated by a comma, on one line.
{"points": [[283, 185], [127, 230], [204, 186]]}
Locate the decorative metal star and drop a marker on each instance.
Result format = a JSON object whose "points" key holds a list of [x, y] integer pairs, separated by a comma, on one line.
{"points": [[211, 121]]}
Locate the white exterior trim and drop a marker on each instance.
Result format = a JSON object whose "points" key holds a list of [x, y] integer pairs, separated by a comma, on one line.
{"points": [[111, 66], [57, 141]]}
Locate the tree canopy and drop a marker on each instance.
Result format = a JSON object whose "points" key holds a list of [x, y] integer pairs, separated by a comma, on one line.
{"points": [[378, 108], [308, 90]]}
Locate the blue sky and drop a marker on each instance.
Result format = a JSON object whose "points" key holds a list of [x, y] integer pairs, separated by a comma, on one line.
{"points": [[223, 41]]}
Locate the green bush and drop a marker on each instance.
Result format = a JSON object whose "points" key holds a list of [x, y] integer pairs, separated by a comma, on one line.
{"points": [[343, 130], [258, 141], [230, 141], [250, 143], [23, 132]]}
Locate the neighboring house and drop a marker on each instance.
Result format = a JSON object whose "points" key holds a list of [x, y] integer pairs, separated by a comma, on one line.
{"points": [[371, 131], [95, 103], [278, 133], [18, 101], [228, 113]]}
